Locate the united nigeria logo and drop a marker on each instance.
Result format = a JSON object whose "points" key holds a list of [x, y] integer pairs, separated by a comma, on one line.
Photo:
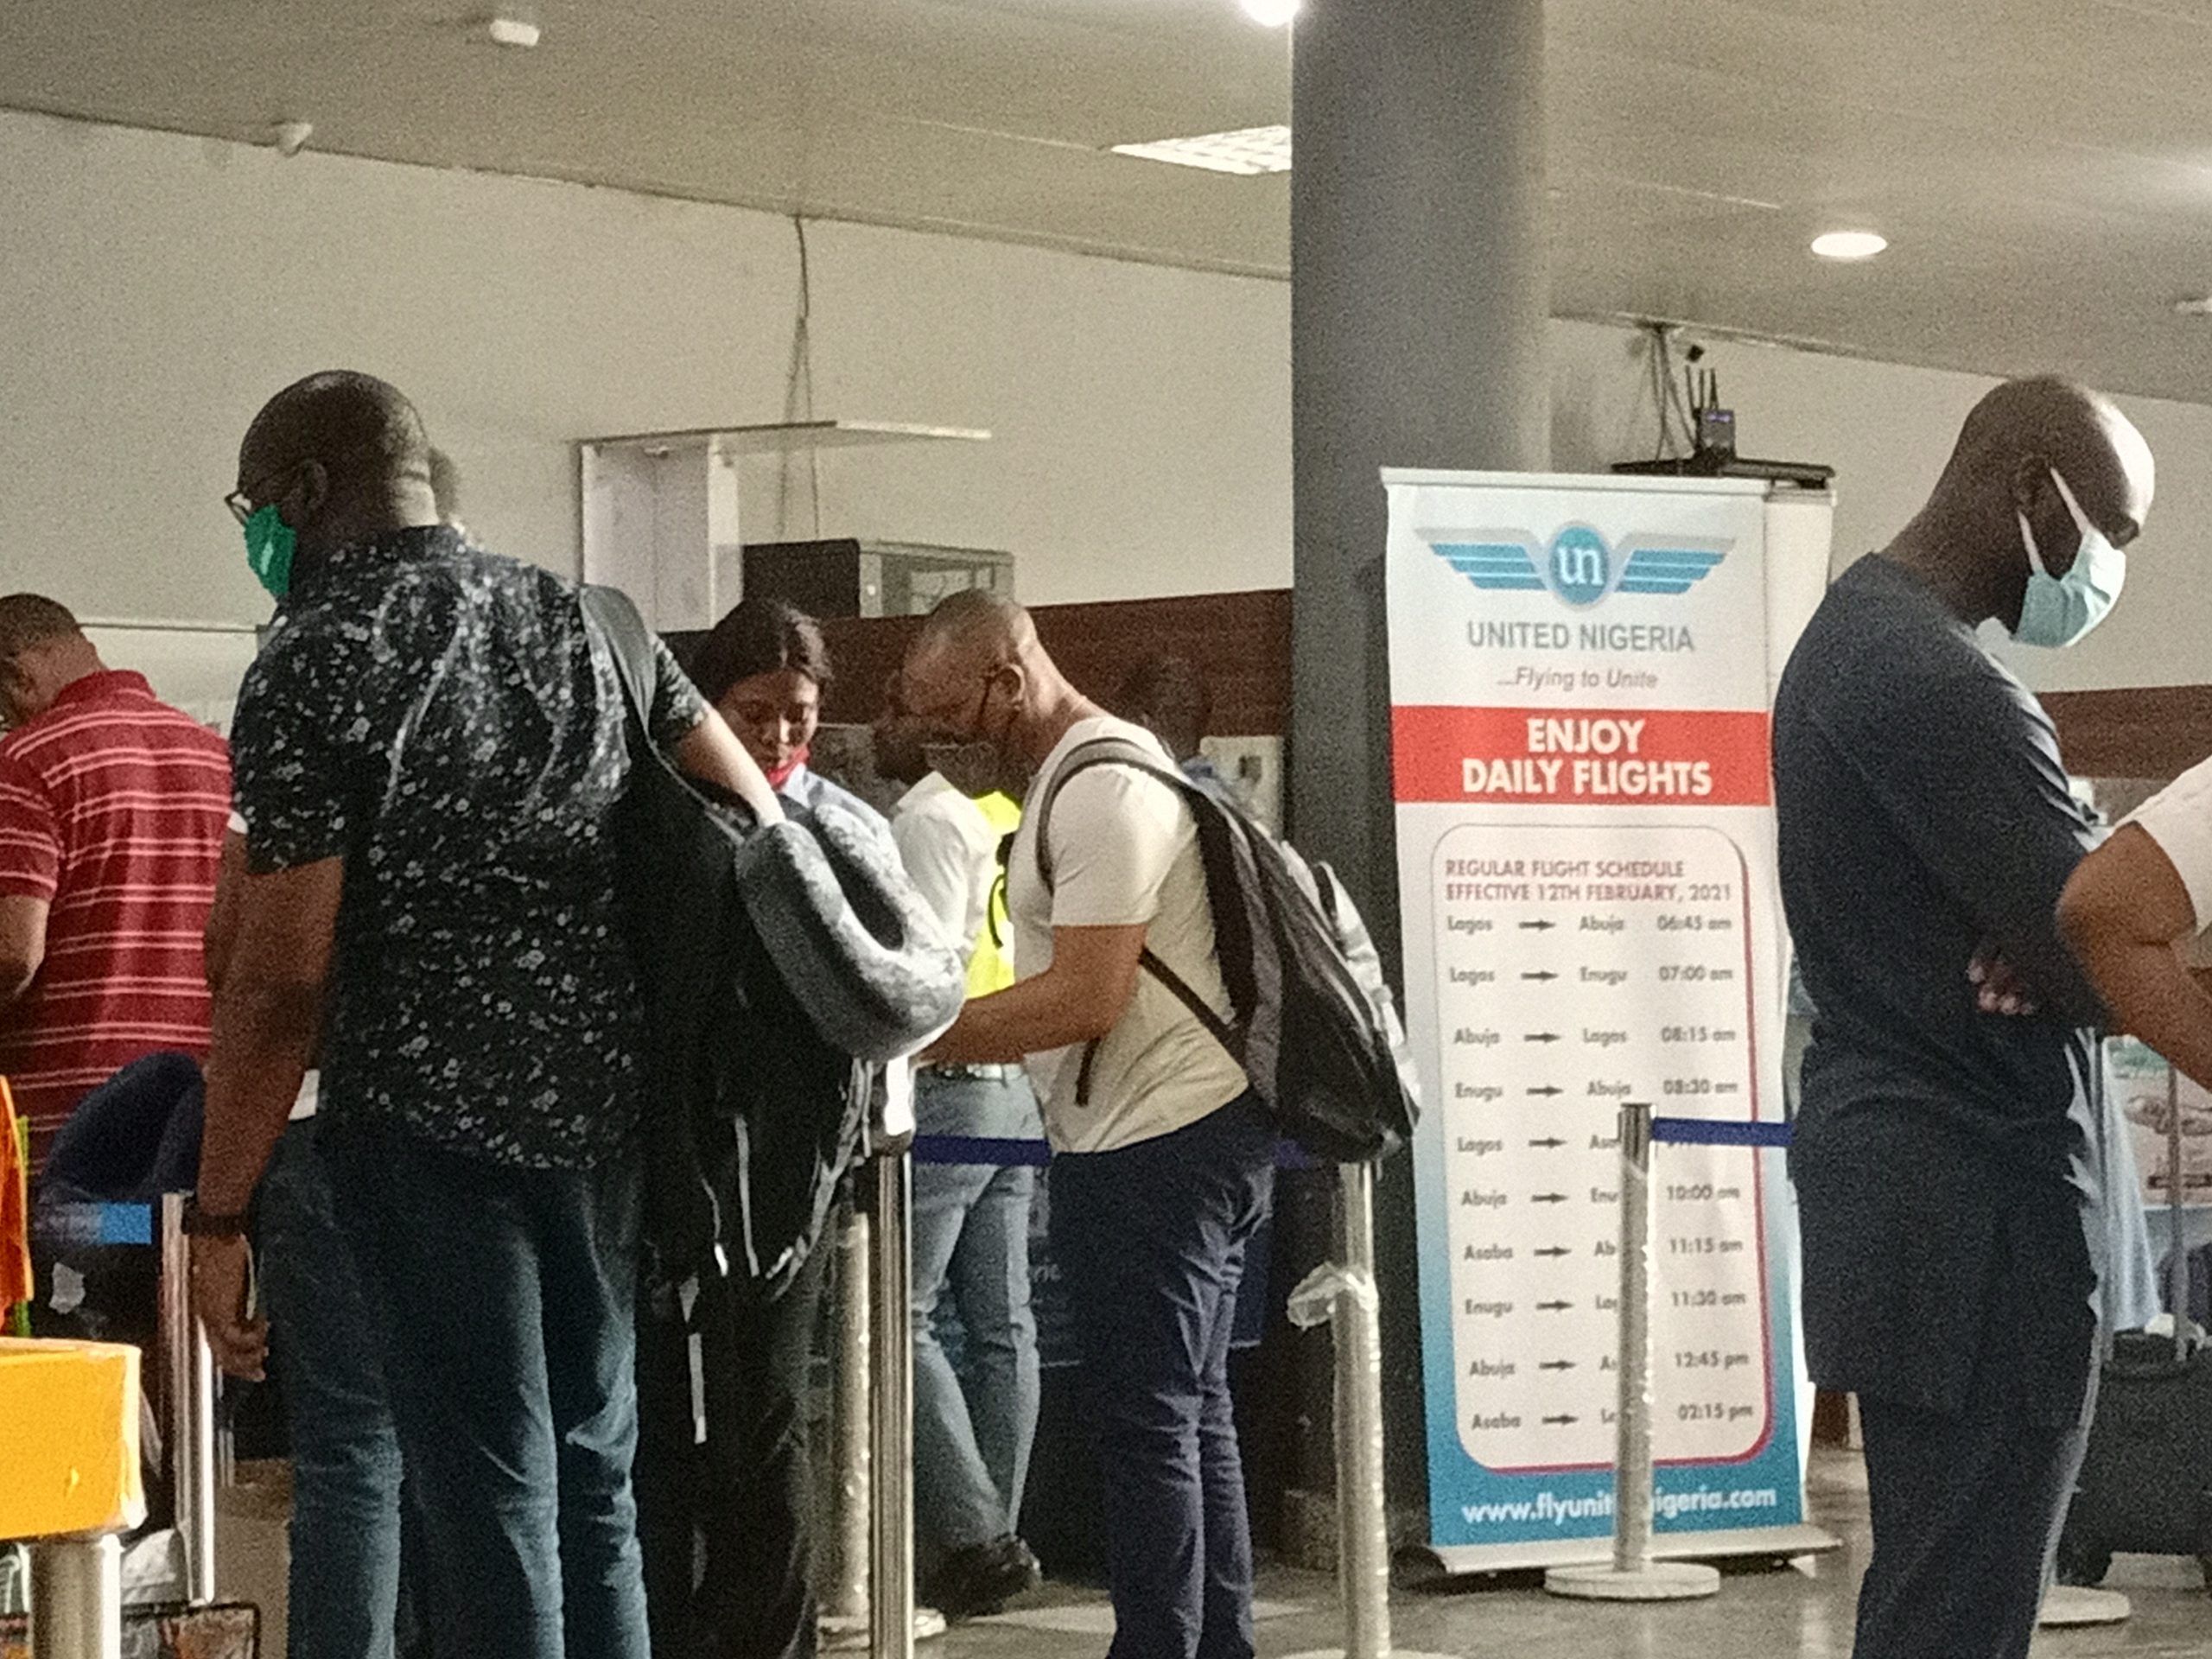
{"points": [[1579, 567]]}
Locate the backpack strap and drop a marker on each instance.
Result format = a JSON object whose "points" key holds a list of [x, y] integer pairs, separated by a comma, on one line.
{"points": [[613, 620], [1120, 752]]}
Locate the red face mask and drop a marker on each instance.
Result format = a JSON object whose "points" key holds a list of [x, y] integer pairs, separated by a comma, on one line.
{"points": [[779, 776]]}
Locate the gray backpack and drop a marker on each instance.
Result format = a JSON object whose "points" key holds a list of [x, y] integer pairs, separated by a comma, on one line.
{"points": [[1314, 1023]]}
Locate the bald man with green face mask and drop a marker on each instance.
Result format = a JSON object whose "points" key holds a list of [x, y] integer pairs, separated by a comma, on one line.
{"points": [[431, 749]]}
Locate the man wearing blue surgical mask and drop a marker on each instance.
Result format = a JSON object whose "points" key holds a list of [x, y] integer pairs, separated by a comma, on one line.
{"points": [[1945, 1181]]}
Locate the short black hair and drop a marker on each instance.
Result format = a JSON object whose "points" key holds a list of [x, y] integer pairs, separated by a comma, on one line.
{"points": [[758, 637], [28, 619], [1169, 687]]}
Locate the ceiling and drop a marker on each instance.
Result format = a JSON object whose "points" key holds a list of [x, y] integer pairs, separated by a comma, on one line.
{"points": [[2042, 168]]}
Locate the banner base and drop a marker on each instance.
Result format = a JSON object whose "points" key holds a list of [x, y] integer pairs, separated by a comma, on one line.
{"points": [[1653, 1581], [1779, 1543]]}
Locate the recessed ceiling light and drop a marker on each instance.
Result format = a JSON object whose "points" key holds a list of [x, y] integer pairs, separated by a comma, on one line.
{"points": [[1849, 244], [2200, 306], [506, 30], [1271, 14], [1249, 151]]}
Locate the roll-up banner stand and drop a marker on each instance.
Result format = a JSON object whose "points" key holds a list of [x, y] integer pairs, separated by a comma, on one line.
{"points": [[1582, 673]]}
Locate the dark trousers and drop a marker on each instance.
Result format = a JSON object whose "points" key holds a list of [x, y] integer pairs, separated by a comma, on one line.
{"points": [[1966, 1513], [345, 1532], [504, 1300], [1152, 1239], [728, 1526]]}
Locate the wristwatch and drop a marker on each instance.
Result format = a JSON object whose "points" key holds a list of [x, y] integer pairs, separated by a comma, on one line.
{"points": [[198, 1224]]}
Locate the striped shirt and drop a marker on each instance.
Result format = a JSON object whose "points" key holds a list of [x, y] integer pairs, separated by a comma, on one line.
{"points": [[112, 806]]}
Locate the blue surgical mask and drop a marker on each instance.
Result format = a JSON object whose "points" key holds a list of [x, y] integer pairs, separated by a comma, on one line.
{"points": [[270, 543], [2059, 610]]}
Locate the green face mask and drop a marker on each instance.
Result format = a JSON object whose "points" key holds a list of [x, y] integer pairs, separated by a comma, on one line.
{"points": [[269, 545]]}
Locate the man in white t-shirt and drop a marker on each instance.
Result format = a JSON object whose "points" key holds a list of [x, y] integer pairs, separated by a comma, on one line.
{"points": [[2130, 908], [1165, 1160]]}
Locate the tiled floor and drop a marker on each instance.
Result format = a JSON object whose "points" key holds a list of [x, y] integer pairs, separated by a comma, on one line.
{"points": [[1804, 1610]]}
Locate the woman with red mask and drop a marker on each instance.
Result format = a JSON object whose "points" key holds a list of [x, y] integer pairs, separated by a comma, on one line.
{"points": [[727, 1523], [763, 668]]}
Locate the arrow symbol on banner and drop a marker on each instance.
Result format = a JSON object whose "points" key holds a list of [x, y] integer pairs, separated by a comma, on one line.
{"points": [[1556, 1365], [1541, 1037], [1542, 975], [1548, 1197], [1553, 1307], [1553, 1249], [1538, 927], [1548, 1141], [1548, 1089], [1562, 1420]]}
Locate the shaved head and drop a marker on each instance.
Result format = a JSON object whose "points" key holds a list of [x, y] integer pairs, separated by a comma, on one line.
{"points": [[342, 419], [977, 674], [2027, 450], [974, 628], [2046, 421], [342, 456]]}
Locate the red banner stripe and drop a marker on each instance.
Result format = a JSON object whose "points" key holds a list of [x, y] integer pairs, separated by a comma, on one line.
{"points": [[1583, 757]]}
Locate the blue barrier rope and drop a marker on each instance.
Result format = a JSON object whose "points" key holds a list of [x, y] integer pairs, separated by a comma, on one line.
{"points": [[1709, 1132], [981, 1151], [95, 1224]]}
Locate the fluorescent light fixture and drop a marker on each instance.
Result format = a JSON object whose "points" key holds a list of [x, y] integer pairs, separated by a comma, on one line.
{"points": [[1849, 244], [1271, 14], [1249, 151]]}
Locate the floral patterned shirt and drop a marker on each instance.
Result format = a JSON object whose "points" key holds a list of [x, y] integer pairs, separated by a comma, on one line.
{"points": [[436, 715]]}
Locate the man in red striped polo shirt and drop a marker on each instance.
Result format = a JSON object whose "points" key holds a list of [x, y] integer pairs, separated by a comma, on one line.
{"points": [[112, 806]]}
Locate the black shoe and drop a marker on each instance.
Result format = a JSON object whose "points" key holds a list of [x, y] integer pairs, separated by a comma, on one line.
{"points": [[979, 1581]]}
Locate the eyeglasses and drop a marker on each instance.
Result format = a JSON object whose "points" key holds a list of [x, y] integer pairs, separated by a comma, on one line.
{"points": [[241, 502], [938, 719]]}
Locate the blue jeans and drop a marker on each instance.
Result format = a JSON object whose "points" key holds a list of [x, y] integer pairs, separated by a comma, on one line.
{"points": [[1152, 1239], [971, 1234], [504, 1299], [345, 1466]]}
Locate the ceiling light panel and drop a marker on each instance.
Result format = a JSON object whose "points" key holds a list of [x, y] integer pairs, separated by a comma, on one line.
{"points": [[1249, 151], [1850, 244]]}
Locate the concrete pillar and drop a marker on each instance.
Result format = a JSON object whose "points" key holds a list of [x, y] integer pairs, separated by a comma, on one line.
{"points": [[1418, 309]]}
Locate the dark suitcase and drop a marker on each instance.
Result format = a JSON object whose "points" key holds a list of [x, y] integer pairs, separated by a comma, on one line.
{"points": [[2145, 1485]]}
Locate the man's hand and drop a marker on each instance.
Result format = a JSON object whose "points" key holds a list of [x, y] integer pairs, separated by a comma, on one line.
{"points": [[221, 1269], [1080, 998], [2000, 990]]}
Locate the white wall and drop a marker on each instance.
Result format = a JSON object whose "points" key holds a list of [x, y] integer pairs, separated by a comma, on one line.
{"points": [[154, 289], [1887, 429]]}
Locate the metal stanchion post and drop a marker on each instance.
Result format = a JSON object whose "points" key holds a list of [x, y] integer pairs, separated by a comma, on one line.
{"points": [[892, 1588], [189, 1374], [1633, 1575], [1364, 1527], [845, 1610], [77, 1598], [1363, 1518]]}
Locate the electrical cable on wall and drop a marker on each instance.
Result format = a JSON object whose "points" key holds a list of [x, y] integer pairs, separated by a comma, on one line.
{"points": [[799, 397], [1659, 355]]}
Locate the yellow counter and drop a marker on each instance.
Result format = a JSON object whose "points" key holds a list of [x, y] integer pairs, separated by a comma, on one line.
{"points": [[68, 1439]]}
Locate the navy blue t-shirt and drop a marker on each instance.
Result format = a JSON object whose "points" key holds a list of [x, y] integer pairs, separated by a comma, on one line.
{"points": [[1941, 1152]]}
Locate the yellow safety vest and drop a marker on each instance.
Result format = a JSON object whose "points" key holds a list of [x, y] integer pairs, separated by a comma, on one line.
{"points": [[990, 964]]}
